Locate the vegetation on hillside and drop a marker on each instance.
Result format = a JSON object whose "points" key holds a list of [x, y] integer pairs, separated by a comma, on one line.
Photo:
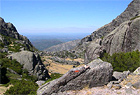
{"points": [[14, 44], [22, 85], [123, 61]]}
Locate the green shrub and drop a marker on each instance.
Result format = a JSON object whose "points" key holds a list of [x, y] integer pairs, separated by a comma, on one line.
{"points": [[102, 37], [2, 55], [54, 76], [1, 44], [16, 46], [12, 76], [4, 78], [22, 87], [123, 61], [25, 75], [12, 64]]}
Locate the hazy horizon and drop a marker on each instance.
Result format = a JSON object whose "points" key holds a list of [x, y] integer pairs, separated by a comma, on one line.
{"points": [[60, 17], [64, 37]]}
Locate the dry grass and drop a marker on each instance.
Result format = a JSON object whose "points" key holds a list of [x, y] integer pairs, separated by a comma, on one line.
{"points": [[89, 93], [119, 92], [56, 67], [79, 60], [69, 59], [59, 68], [131, 78], [3, 89]]}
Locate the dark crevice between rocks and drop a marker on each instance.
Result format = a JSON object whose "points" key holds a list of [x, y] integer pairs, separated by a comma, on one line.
{"points": [[124, 40]]}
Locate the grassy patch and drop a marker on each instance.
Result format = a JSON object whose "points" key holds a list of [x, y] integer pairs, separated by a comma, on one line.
{"points": [[12, 76], [15, 46], [54, 76]]}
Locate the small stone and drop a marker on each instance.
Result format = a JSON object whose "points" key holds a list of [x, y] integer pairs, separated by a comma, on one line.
{"points": [[109, 85], [129, 85], [54, 94], [128, 90], [116, 82], [126, 72], [119, 75], [137, 71], [40, 82], [116, 86], [136, 85]]}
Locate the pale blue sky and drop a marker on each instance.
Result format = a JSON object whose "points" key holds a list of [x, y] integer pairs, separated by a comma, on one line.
{"points": [[62, 16]]}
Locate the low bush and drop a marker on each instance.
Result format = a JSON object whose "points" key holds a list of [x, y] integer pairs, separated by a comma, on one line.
{"points": [[25, 75], [12, 64], [22, 87], [123, 61]]}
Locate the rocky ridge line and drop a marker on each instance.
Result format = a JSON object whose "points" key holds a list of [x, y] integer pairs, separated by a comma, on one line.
{"points": [[131, 11]]}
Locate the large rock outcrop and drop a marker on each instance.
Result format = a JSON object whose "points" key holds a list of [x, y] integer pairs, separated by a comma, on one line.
{"points": [[131, 11], [124, 38], [8, 31], [32, 63], [97, 74], [93, 51], [123, 35]]}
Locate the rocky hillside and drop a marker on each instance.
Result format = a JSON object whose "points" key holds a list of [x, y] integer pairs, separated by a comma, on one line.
{"points": [[9, 38], [17, 47], [64, 46], [125, 38], [120, 35], [131, 11]]}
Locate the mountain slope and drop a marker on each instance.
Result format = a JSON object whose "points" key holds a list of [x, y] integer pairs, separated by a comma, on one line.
{"points": [[131, 11], [64, 46], [10, 38], [42, 44], [124, 37], [15, 48]]}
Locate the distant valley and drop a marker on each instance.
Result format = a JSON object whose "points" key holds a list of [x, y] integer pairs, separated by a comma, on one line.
{"points": [[42, 42]]}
